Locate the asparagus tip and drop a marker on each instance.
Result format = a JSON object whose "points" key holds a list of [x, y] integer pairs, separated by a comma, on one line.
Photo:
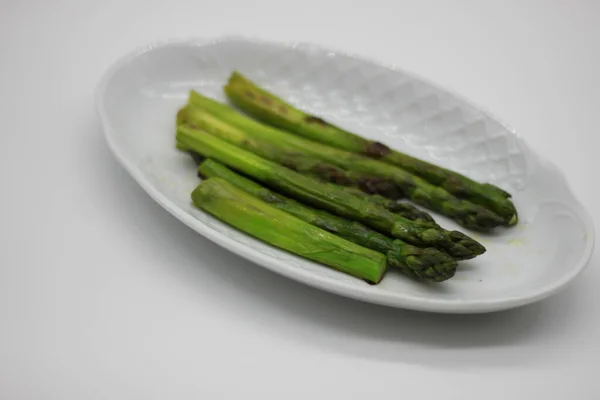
{"points": [[434, 236], [464, 247], [428, 264]]}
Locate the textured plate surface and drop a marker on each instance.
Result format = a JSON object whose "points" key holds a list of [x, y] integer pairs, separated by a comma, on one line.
{"points": [[139, 96]]}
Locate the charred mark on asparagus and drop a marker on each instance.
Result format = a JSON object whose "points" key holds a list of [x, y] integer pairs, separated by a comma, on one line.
{"points": [[333, 175], [316, 120], [381, 186], [377, 150], [266, 100]]}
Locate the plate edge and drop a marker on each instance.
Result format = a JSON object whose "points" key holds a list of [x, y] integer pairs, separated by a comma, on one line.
{"points": [[362, 294]]}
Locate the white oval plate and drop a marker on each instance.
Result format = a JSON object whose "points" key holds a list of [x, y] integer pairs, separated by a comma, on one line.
{"points": [[138, 98]]}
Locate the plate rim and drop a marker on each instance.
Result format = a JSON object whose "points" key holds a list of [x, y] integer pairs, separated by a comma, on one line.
{"points": [[365, 294]]}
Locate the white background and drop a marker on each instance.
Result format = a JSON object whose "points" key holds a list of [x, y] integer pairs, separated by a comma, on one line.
{"points": [[104, 295]]}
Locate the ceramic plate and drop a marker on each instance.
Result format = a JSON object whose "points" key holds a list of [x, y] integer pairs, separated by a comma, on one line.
{"points": [[138, 98]]}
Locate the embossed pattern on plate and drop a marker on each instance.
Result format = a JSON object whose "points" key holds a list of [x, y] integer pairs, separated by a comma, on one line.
{"points": [[139, 96]]}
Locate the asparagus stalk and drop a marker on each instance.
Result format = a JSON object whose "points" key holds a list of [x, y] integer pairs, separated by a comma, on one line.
{"points": [[428, 263], [461, 246], [405, 209], [465, 247], [328, 173], [310, 190], [416, 189], [256, 218], [275, 111], [307, 166]]}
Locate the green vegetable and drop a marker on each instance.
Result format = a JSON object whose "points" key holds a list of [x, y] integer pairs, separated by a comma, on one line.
{"points": [[310, 190], [416, 189], [275, 111], [330, 172], [427, 263], [288, 157], [405, 209], [461, 246], [464, 247], [256, 218]]}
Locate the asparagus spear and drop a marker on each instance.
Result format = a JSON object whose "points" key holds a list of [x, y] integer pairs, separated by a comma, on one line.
{"points": [[311, 167], [275, 111], [428, 263], [465, 246], [461, 247], [310, 190], [374, 189], [416, 189], [328, 173], [256, 218], [343, 203], [405, 209]]}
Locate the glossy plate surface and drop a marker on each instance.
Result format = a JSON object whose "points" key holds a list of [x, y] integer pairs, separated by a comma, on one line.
{"points": [[139, 96]]}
